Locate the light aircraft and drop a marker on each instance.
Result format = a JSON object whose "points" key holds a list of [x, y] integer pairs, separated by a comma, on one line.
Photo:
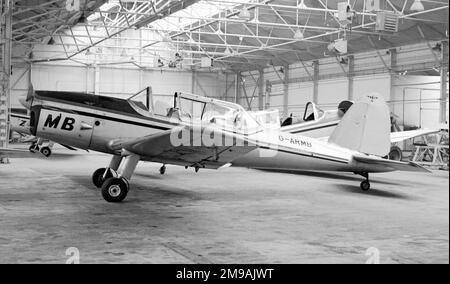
{"points": [[320, 124], [200, 132], [20, 123]]}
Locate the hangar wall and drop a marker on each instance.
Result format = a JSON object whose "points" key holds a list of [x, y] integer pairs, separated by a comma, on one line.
{"points": [[416, 100], [114, 81], [381, 71]]}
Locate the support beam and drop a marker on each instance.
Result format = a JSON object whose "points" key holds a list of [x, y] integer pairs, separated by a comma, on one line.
{"points": [[237, 89], [351, 77], [97, 80], [316, 81], [444, 82], [6, 10], [193, 82], [261, 90], [286, 91], [393, 71]]}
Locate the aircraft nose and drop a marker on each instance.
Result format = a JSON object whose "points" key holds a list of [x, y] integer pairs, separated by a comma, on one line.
{"points": [[23, 101]]}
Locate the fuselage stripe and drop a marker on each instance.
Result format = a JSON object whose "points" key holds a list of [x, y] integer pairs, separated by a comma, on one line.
{"points": [[315, 128], [98, 116], [305, 155]]}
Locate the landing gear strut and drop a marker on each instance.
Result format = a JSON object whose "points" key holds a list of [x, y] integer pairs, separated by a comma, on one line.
{"points": [[162, 170], [365, 185], [114, 180], [100, 175], [34, 148]]}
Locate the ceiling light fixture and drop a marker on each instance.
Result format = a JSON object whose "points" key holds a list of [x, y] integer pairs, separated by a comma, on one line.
{"points": [[228, 51], [302, 5], [299, 35], [245, 14], [417, 6]]}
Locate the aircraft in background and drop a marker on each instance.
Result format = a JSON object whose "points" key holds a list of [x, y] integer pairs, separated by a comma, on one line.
{"points": [[132, 132], [320, 124], [20, 123]]}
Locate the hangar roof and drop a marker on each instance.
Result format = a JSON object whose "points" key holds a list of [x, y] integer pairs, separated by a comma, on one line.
{"points": [[238, 34]]}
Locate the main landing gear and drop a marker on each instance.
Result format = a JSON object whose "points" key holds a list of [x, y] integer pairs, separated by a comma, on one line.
{"points": [[46, 151], [37, 147], [114, 180], [365, 185], [162, 170]]}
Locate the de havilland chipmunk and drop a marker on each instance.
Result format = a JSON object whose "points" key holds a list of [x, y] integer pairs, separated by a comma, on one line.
{"points": [[131, 132]]}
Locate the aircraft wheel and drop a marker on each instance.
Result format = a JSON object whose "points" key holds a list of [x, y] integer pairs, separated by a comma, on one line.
{"points": [[365, 185], [46, 151], [33, 148], [115, 190], [162, 170], [395, 154], [97, 177]]}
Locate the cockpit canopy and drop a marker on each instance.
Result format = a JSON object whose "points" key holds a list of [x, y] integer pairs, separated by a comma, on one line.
{"points": [[226, 115], [194, 109]]}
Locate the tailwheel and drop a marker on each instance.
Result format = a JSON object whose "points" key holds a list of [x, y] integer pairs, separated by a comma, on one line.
{"points": [[162, 170], [115, 190], [46, 151], [100, 175], [365, 185]]}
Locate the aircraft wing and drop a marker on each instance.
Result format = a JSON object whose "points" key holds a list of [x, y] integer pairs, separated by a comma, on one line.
{"points": [[405, 135], [394, 165], [160, 148]]}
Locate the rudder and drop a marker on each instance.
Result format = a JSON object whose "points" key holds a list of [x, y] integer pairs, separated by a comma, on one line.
{"points": [[365, 127]]}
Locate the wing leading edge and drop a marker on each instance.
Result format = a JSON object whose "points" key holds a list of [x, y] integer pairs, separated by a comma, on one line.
{"points": [[197, 150]]}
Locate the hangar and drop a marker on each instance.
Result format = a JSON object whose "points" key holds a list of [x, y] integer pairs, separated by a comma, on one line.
{"points": [[294, 63]]}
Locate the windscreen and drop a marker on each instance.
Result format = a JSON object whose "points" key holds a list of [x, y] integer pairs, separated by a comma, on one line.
{"points": [[226, 116]]}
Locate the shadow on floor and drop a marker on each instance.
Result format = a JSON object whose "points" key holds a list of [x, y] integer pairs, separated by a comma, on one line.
{"points": [[373, 192], [158, 192], [329, 175]]}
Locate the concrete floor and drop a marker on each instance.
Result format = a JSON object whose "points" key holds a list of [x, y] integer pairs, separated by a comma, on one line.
{"points": [[228, 216]]}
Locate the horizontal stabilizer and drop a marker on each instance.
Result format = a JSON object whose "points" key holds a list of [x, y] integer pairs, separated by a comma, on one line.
{"points": [[394, 165], [405, 135]]}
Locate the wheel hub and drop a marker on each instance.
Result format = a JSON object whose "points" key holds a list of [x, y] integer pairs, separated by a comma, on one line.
{"points": [[114, 190]]}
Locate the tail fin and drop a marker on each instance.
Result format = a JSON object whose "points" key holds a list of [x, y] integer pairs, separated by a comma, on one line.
{"points": [[365, 127]]}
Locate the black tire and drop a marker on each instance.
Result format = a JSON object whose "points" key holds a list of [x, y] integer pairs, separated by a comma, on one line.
{"points": [[115, 190], [395, 154], [365, 185], [46, 151], [97, 177]]}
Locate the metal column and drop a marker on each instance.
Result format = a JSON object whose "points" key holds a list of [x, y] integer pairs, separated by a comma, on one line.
{"points": [[393, 72], [261, 91], [6, 8], [316, 81], [237, 90], [286, 91], [351, 77], [194, 81], [444, 82]]}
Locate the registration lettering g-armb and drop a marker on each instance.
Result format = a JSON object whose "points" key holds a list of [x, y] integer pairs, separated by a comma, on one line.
{"points": [[295, 141]]}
